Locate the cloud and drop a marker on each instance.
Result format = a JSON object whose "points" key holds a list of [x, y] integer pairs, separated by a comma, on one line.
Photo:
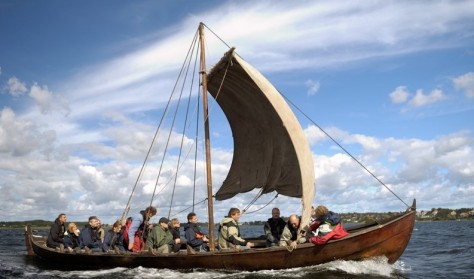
{"points": [[280, 41], [19, 137], [400, 95], [415, 166], [16, 87], [313, 87], [465, 83], [46, 100], [421, 99]]}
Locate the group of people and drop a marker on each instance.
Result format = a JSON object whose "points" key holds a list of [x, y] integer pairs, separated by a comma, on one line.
{"points": [[91, 238], [134, 235], [137, 234], [324, 225]]}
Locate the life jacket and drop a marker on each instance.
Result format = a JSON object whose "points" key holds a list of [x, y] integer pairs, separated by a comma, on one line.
{"points": [[197, 232]]}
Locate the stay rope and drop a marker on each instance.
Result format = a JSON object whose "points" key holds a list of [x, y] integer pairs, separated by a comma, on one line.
{"points": [[345, 150]]}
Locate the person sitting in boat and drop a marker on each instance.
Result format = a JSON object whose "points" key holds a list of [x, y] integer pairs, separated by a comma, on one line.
{"points": [[174, 229], [326, 226], [136, 229], [71, 237], [160, 240], [290, 236], [113, 239], [195, 239], [229, 232], [56, 233], [313, 215], [273, 228], [89, 238], [101, 232]]}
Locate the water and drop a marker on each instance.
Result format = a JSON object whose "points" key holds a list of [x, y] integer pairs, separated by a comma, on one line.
{"points": [[436, 250]]}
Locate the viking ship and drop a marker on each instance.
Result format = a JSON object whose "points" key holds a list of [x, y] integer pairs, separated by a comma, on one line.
{"points": [[272, 155]]}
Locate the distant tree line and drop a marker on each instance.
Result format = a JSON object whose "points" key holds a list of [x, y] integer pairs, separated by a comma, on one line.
{"points": [[435, 214], [33, 224]]}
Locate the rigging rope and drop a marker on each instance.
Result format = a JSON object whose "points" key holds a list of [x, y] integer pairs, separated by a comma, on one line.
{"points": [[191, 206], [345, 150], [264, 205], [142, 169], [259, 194], [183, 133]]}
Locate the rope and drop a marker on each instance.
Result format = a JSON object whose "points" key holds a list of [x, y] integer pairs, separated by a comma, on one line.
{"points": [[191, 206], [264, 205], [259, 194], [142, 169], [196, 151], [345, 150], [184, 128]]}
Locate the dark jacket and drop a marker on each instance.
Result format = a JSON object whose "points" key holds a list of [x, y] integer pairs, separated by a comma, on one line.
{"points": [[176, 235], [331, 218], [71, 240], [273, 229], [193, 235], [89, 237], [113, 239], [56, 234]]}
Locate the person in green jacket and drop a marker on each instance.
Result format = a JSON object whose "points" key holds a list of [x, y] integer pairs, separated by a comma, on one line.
{"points": [[160, 239], [229, 232]]}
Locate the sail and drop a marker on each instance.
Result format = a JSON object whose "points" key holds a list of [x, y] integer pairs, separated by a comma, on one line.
{"points": [[270, 149]]}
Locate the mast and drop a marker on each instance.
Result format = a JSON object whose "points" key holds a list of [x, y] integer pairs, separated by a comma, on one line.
{"points": [[210, 208]]}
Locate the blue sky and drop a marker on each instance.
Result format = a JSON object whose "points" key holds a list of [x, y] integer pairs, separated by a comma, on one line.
{"points": [[81, 84]]}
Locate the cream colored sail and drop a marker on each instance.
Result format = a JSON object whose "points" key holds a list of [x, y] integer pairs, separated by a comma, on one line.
{"points": [[270, 149]]}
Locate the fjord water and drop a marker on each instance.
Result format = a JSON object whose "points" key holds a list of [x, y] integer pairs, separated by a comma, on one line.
{"points": [[441, 249]]}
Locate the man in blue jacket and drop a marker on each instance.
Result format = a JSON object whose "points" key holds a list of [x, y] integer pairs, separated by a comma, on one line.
{"points": [[89, 239]]}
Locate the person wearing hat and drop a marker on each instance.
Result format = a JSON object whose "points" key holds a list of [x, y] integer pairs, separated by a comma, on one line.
{"points": [[160, 239]]}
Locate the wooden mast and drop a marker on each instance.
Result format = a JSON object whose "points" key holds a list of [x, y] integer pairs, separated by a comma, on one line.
{"points": [[207, 138]]}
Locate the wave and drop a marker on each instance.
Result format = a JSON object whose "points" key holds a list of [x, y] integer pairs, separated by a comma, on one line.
{"points": [[376, 267]]}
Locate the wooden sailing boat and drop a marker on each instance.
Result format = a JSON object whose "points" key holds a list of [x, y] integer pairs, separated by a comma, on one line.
{"points": [[270, 153]]}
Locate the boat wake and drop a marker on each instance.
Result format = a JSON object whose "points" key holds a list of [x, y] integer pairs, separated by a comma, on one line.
{"points": [[377, 267]]}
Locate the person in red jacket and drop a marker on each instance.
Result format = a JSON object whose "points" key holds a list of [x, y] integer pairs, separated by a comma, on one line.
{"points": [[326, 226]]}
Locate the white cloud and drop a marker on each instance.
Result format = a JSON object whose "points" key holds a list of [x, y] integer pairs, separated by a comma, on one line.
{"points": [[421, 99], [466, 83], [16, 87], [43, 97], [313, 87], [415, 165], [19, 137], [46, 100], [399, 95]]}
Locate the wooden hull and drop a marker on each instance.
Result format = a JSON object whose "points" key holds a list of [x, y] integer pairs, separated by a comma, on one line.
{"points": [[389, 240]]}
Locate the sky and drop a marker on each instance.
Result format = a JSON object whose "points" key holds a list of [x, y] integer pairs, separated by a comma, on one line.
{"points": [[82, 85]]}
